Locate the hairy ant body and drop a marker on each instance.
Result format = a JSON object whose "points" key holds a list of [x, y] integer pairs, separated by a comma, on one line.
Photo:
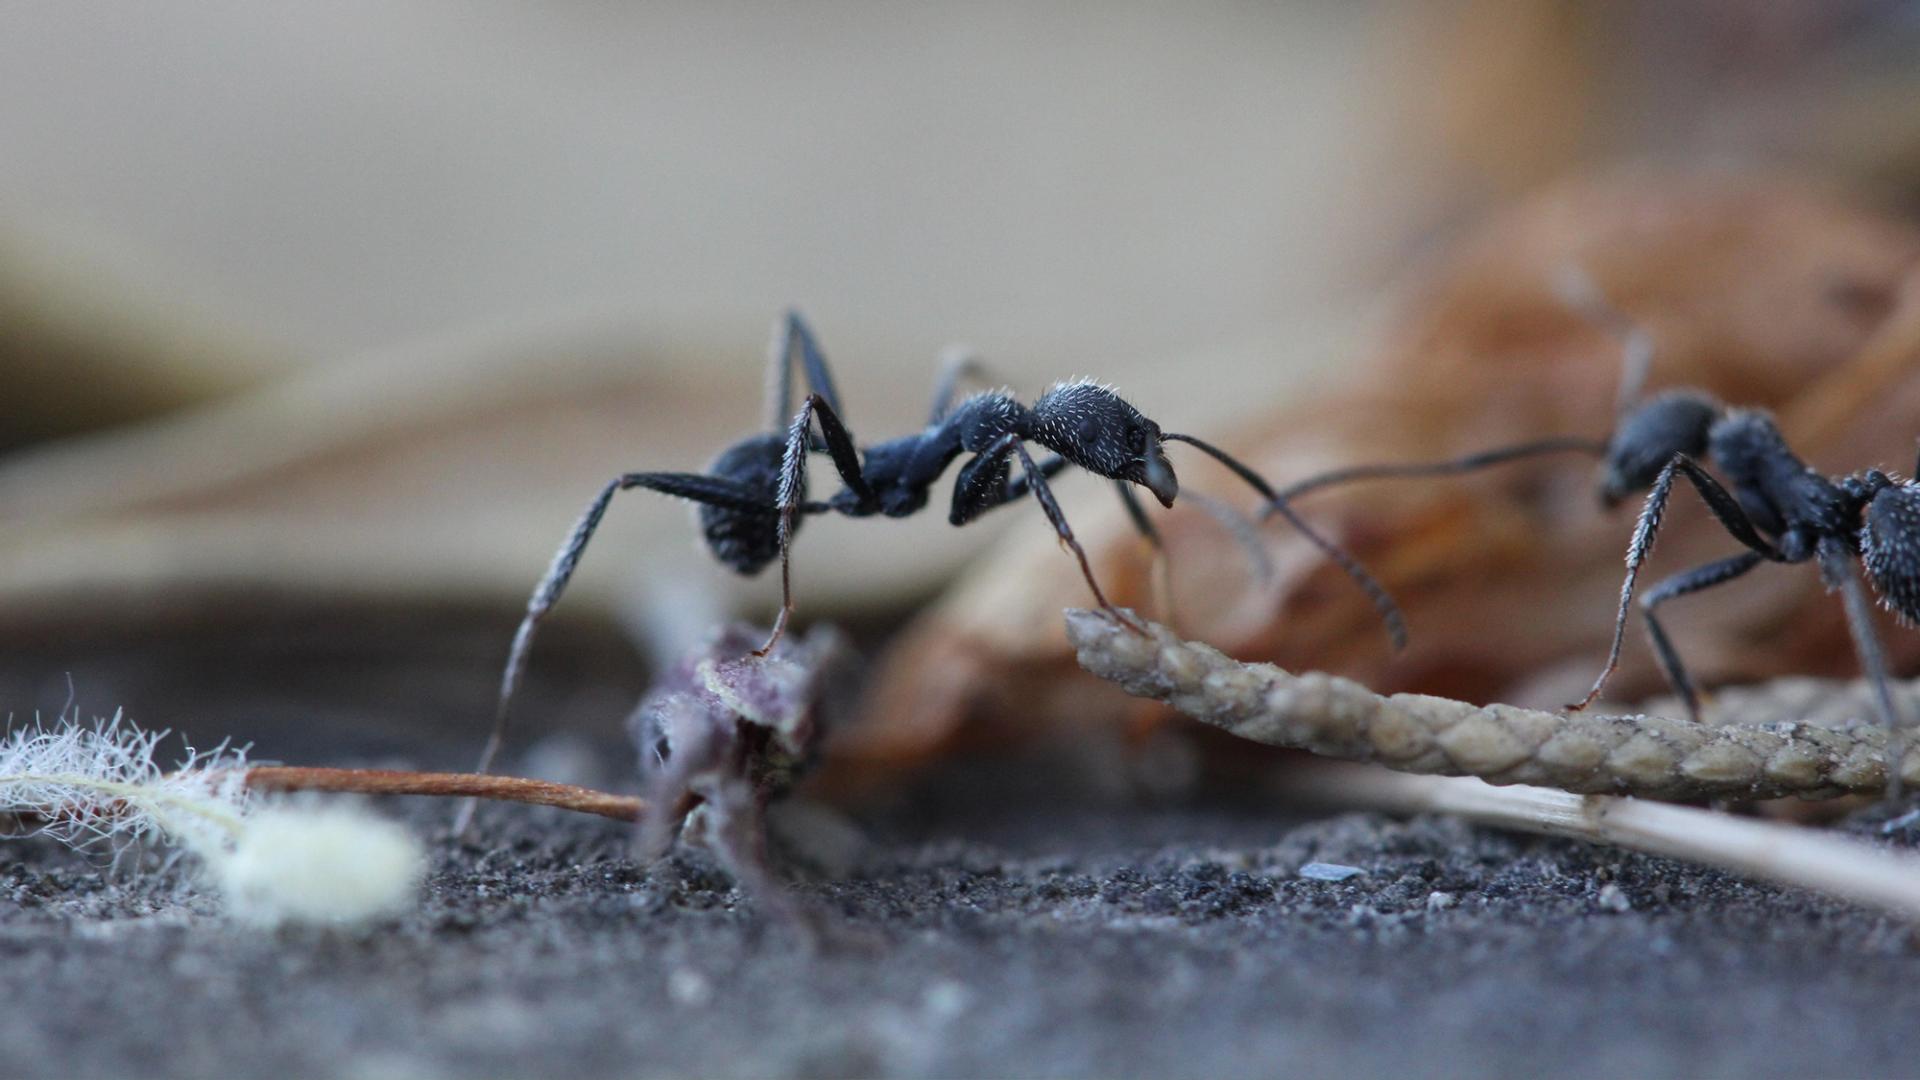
{"points": [[1778, 507], [753, 498]]}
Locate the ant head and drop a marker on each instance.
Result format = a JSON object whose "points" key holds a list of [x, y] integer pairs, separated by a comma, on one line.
{"points": [[1649, 435], [1089, 425], [1890, 548]]}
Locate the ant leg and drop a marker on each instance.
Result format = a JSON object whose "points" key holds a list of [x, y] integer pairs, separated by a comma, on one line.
{"points": [[1451, 467], [1691, 581], [1725, 509], [1017, 486], [712, 490], [793, 489], [791, 331], [1836, 570], [1142, 524], [1044, 494], [1376, 593], [1138, 515], [956, 363]]}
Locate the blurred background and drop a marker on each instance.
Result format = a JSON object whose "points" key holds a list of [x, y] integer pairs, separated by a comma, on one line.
{"points": [[319, 324]]}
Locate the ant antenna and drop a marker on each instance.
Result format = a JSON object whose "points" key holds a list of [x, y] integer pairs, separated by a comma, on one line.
{"points": [[1565, 444], [1577, 289], [1377, 593]]}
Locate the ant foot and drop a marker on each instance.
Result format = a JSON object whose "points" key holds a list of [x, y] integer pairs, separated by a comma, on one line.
{"points": [[1127, 619]]}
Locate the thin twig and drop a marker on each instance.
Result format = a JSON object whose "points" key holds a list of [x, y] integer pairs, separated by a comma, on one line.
{"points": [[476, 785], [1789, 854]]}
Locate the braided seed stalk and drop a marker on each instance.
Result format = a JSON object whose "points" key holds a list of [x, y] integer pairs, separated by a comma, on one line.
{"points": [[1795, 737]]}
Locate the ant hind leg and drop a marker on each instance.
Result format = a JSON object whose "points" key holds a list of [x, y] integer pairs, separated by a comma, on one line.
{"points": [[1700, 577], [1836, 570], [1162, 567], [712, 490]]}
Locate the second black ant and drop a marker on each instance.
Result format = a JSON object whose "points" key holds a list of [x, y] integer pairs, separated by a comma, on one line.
{"points": [[1776, 506]]}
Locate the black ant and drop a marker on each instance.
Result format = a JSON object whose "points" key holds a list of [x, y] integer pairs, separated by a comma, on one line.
{"points": [[1772, 502], [753, 498]]}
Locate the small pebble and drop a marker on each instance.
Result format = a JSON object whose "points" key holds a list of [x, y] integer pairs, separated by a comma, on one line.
{"points": [[1439, 901], [1614, 898], [1900, 822], [1326, 871], [689, 988]]}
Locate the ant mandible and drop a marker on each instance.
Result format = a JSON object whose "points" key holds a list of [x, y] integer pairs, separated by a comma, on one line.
{"points": [[753, 498], [1778, 507]]}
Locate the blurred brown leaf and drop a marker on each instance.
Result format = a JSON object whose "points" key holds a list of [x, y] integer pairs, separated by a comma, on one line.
{"points": [[81, 349], [1762, 292]]}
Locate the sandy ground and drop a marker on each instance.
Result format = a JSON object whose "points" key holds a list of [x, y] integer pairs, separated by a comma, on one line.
{"points": [[993, 926], [1000, 918]]}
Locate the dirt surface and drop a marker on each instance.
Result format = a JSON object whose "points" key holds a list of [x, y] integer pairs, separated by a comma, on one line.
{"points": [[989, 928], [1007, 919]]}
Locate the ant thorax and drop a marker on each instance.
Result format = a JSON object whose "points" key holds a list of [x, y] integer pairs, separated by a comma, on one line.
{"points": [[982, 418], [1779, 491]]}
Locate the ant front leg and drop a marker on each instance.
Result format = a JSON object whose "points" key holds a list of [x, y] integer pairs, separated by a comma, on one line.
{"points": [[1018, 486], [1577, 289], [711, 490], [1162, 566], [1725, 509], [793, 489], [1692, 581], [983, 484]]}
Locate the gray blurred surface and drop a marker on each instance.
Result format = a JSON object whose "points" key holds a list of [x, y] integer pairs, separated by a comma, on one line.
{"points": [[1032, 933], [1072, 182]]}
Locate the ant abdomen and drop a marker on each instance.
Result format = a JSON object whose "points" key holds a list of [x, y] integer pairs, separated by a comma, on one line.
{"points": [[1890, 548], [746, 541]]}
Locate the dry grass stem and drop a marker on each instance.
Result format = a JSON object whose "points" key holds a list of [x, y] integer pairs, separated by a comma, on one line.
{"points": [[1788, 854], [476, 785], [1761, 747]]}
